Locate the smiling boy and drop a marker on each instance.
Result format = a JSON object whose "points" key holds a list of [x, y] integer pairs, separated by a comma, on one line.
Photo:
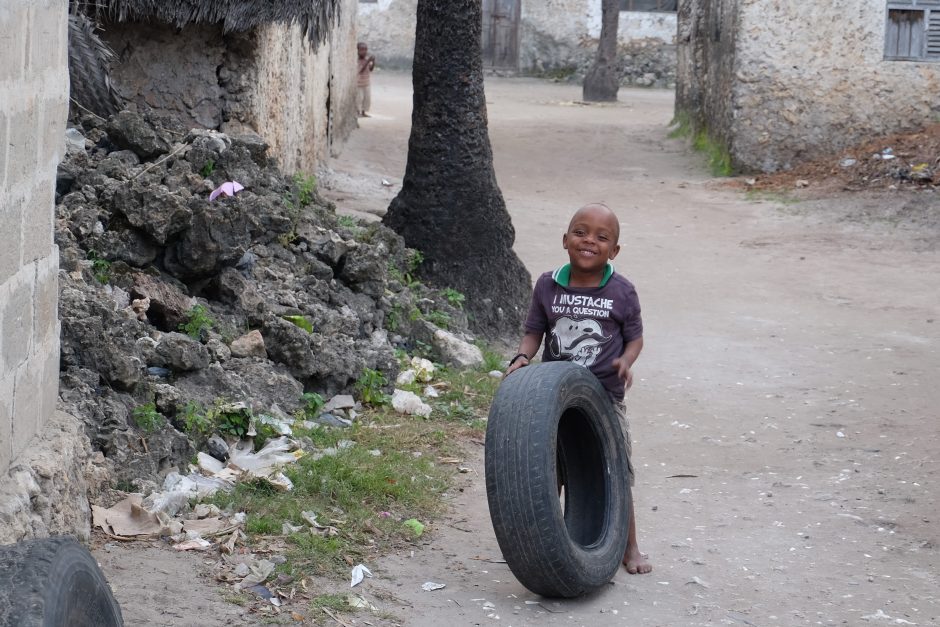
{"points": [[590, 315]]}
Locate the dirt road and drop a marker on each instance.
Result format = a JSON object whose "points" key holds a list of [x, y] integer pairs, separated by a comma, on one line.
{"points": [[790, 367]]}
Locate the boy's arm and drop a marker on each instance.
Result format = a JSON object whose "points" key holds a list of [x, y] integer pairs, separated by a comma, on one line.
{"points": [[527, 348], [624, 363]]}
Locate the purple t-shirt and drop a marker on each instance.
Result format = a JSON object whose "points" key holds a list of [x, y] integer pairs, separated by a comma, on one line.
{"points": [[587, 325]]}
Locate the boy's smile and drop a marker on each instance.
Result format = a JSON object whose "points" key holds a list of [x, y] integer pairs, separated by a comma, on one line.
{"points": [[591, 241]]}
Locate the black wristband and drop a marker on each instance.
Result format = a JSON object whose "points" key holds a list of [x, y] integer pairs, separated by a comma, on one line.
{"points": [[513, 360]]}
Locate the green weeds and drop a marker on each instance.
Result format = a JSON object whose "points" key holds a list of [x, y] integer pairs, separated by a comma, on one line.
{"points": [[197, 322], [147, 418], [369, 386]]}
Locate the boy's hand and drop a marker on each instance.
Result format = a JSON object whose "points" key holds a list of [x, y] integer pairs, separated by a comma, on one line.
{"points": [[519, 362], [624, 372]]}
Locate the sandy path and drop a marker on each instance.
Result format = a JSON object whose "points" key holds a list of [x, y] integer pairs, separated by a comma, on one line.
{"points": [[789, 365]]}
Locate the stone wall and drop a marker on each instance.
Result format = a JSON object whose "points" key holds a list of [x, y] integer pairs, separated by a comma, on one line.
{"points": [[43, 453], [270, 81], [34, 97], [555, 38], [810, 80]]}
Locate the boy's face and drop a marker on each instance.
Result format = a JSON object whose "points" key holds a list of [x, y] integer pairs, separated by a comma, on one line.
{"points": [[363, 50], [591, 239]]}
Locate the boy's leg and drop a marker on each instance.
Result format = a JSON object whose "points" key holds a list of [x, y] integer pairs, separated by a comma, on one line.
{"points": [[635, 561], [366, 100]]}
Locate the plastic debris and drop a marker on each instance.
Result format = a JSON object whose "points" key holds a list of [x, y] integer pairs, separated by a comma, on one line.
{"points": [[229, 188], [414, 525], [406, 377], [848, 162], [283, 425], [496, 374], [410, 403], [258, 572], [424, 369], [359, 572], [197, 544], [430, 586], [340, 401], [431, 392]]}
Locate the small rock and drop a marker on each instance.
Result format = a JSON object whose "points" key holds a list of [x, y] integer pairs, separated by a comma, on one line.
{"points": [[249, 345], [217, 447]]}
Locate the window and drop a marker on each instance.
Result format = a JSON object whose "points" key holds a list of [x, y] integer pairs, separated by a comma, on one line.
{"points": [[912, 31], [648, 5]]}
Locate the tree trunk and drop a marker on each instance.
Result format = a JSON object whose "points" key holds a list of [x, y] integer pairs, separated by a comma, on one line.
{"points": [[603, 79], [450, 207]]}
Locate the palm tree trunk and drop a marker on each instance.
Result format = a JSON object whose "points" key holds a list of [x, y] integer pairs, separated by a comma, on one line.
{"points": [[603, 79], [450, 207]]}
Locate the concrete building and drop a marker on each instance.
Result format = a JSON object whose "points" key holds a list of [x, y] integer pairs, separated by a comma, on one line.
{"points": [[552, 37], [780, 82]]}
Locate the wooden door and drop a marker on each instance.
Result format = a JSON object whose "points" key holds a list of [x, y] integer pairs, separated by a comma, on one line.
{"points": [[501, 34]]}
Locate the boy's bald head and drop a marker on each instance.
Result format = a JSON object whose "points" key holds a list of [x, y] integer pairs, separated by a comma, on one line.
{"points": [[599, 210]]}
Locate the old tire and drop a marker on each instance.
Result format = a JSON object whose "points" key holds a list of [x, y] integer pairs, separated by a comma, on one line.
{"points": [[556, 479], [54, 582]]}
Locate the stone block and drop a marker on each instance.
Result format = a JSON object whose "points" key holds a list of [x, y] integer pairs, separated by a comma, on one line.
{"points": [[4, 148], [13, 42], [46, 32], [27, 403], [55, 115], [6, 423], [48, 380], [46, 301], [37, 223], [16, 320], [11, 224], [23, 150]]}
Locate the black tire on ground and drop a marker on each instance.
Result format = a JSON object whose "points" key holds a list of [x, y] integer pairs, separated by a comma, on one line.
{"points": [[54, 582], [556, 479]]}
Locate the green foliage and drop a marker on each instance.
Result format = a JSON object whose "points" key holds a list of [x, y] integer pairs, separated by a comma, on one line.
{"points": [[313, 403], [369, 385], [197, 322], [300, 321], [440, 318], [414, 260], [207, 169], [719, 159], [455, 298], [147, 418], [306, 188], [100, 267], [347, 221], [195, 421], [233, 422], [491, 359], [393, 318]]}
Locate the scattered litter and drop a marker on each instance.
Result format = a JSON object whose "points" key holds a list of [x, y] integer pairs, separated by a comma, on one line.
{"points": [[196, 544], [127, 518], [424, 369], [283, 425], [848, 162], [359, 572], [311, 517], [496, 374], [801, 183], [414, 525], [258, 572], [287, 529], [259, 590], [405, 402], [386, 183], [431, 392], [229, 188], [880, 615], [698, 581], [406, 377], [340, 401], [430, 586], [358, 602], [839, 434]]}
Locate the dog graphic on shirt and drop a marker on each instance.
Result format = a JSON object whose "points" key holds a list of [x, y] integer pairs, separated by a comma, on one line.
{"points": [[576, 340]]}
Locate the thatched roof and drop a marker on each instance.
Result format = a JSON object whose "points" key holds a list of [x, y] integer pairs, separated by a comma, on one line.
{"points": [[314, 16]]}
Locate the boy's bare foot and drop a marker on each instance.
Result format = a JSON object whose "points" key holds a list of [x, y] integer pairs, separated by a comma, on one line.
{"points": [[366, 115], [636, 563]]}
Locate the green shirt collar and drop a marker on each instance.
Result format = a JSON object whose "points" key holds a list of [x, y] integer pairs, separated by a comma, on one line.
{"points": [[562, 275]]}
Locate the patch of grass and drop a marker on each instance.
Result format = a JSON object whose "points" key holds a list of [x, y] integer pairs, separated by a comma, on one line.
{"points": [[336, 602], [242, 599], [492, 360], [439, 318], [312, 404], [369, 386], [306, 188], [559, 73], [207, 168], [100, 267], [455, 298], [197, 322], [717, 156], [367, 497], [147, 418], [347, 221], [771, 196]]}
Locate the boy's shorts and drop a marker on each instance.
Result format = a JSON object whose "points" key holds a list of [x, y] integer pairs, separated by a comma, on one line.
{"points": [[620, 408]]}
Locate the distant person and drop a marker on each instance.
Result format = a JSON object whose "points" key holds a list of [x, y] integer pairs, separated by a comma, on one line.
{"points": [[605, 338], [363, 82]]}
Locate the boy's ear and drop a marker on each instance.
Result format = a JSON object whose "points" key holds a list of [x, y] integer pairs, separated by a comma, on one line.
{"points": [[564, 241], [614, 250]]}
